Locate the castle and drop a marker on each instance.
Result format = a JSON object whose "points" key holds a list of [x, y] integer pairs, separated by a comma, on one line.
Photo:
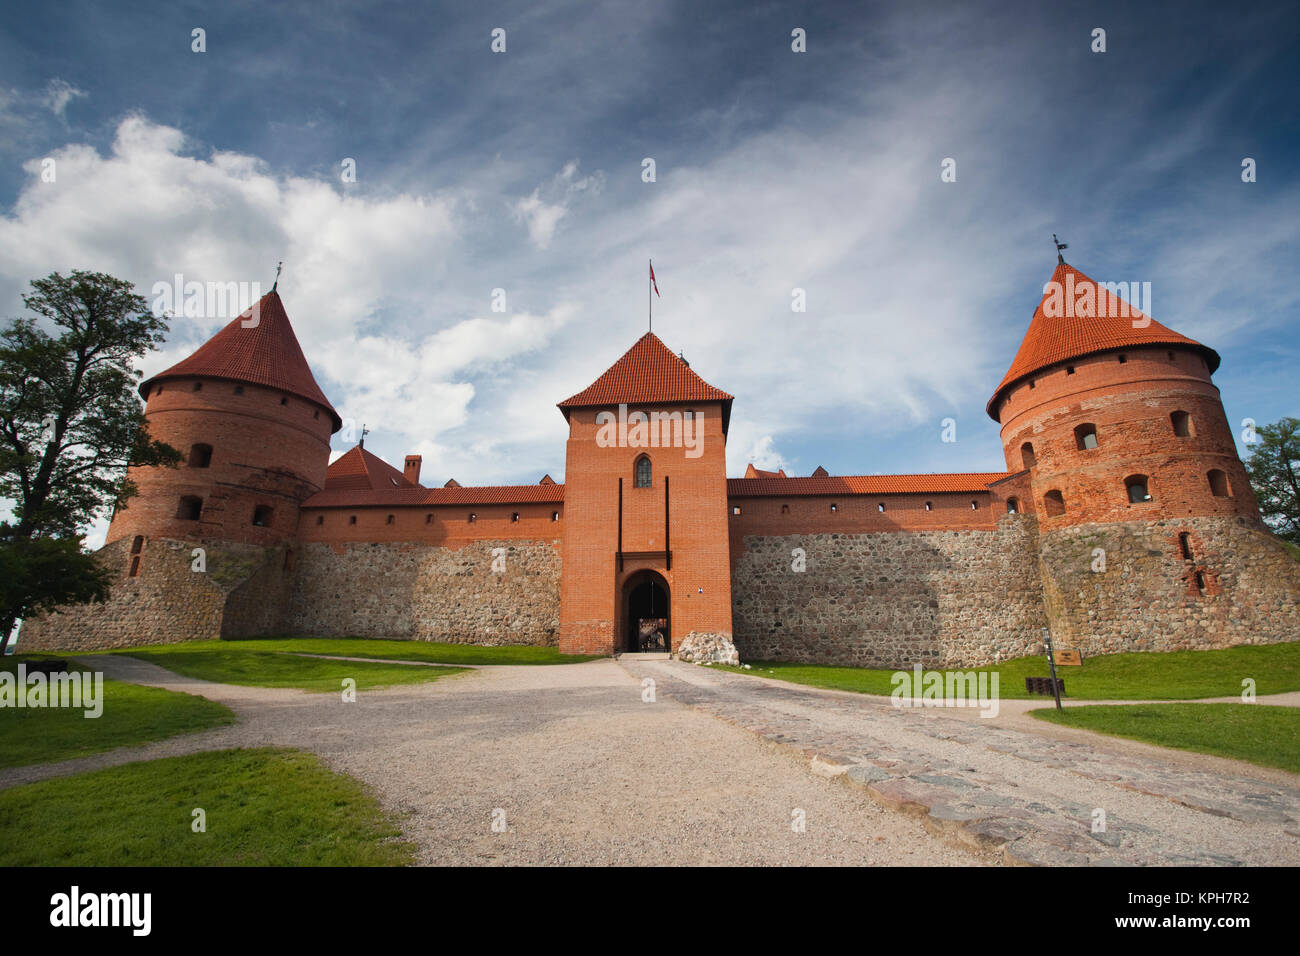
{"points": [[1124, 520]]}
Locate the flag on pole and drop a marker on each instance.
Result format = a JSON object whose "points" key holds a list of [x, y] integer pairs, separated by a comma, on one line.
{"points": [[652, 279]]}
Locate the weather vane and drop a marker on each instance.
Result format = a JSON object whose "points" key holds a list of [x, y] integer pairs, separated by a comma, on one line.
{"points": [[278, 267], [364, 432], [1059, 247]]}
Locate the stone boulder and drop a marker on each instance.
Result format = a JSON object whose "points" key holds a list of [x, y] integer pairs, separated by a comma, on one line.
{"points": [[703, 647]]}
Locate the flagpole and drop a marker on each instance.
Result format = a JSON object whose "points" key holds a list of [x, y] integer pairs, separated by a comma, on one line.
{"points": [[649, 302]]}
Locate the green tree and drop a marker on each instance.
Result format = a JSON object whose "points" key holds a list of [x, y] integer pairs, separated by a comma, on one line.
{"points": [[70, 423], [1274, 471]]}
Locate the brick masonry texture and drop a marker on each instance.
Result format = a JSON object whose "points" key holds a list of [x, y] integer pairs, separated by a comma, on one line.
{"points": [[428, 593], [891, 599], [941, 577]]}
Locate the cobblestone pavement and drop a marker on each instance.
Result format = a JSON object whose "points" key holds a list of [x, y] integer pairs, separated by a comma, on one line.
{"points": [[1032, 798]]}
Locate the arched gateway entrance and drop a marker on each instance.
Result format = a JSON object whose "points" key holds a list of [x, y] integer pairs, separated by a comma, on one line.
{"points": [[646, 617]]}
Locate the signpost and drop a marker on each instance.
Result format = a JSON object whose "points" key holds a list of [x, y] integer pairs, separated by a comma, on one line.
{"points": [[1051, 662]]}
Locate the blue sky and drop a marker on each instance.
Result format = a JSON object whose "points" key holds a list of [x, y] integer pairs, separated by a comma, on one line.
{"points": [[775, 170]]}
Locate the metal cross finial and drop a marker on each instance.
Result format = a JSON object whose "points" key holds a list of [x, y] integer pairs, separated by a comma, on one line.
{"points": [[1059, 247], [279, 266]]}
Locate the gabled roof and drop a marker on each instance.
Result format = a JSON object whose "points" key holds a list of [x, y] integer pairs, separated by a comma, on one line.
{"points": [[267, 354], [752, 472], [358, 470], [359, 479], [1052, 339], [862, 485], [648, 373]]}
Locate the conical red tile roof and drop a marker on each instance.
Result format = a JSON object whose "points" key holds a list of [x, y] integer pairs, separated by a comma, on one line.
{"points": [[648, 372], [265, 354], [1054, 338]]}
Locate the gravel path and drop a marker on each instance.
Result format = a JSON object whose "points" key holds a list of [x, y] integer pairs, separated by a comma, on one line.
{"points": [[584, 770], [715, 769]]}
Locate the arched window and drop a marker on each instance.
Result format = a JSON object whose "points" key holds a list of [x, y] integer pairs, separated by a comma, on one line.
{"points": [[320, 520], [1182, 423], [555, 516], [390, 519], [1219, 486], [1027, 454], [785, 509], [1013, 506], [514, 516], [137, 544], [1085, 436], [929, 506], [200, 456], [262, 516], [974, 505], [643, 472], [881, 507], [190, 508], [1136, 486], [1054, 503], [472, 517]]}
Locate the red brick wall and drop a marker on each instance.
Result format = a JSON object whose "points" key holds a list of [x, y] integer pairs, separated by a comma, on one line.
{"points": [[264, 453], [1130, 404], [442, 525], [699, 582]]}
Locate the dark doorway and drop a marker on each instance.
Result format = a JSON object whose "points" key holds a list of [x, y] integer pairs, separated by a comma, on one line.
{"points": [[647, 610]]}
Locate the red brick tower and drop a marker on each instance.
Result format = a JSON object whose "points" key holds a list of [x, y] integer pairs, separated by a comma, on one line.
{"points": [[1115, 415], [1149, 535], [645, 508], [254, 428]]}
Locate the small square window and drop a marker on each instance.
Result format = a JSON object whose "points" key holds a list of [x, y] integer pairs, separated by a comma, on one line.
{"points": [[352, 519]]}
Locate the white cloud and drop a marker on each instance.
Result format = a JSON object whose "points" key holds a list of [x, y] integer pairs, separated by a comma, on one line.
{"points": [[542, 216], [58, 94]]}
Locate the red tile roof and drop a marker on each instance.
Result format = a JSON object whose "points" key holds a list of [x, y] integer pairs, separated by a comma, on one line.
{"points": [[266, 354], [862, 485], [359, 470], [752, 472], [1052, 340], [647, 372], [430, 497]]}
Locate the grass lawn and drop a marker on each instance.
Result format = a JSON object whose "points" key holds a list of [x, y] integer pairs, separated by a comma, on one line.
{"points": [[131, 715], [380, 649], [264, 807], [1177, 675], [1268, 736], [235, 662], [427, 651]]}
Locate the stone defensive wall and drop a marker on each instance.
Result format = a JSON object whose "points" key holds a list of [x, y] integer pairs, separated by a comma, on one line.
{"points": [[885, 580], [470, 574], [1191, 583]]}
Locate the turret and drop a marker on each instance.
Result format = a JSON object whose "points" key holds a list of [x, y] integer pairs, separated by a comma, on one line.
{"points": [[254, 429], [1115, 415]]}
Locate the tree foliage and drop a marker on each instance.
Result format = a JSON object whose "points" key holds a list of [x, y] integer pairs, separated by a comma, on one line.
{"points": [[1274, 470], [70, 424]]}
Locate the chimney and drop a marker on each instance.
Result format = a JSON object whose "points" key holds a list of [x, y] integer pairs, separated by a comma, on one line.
{"points": [[412, 469]]}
